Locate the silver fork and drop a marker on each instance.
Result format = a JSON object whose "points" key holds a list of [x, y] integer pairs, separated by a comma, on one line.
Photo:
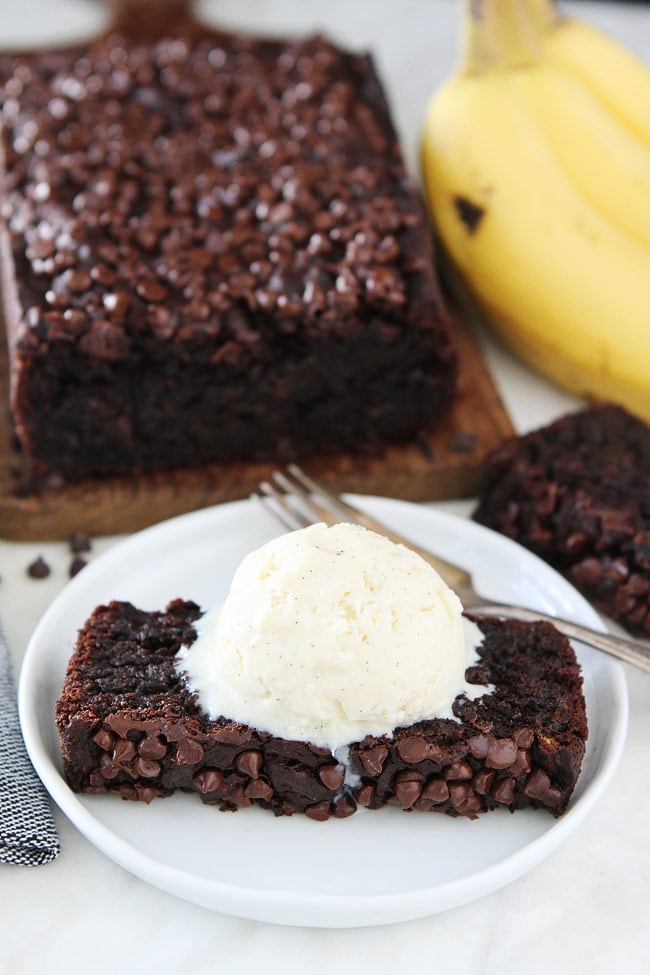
{"points": [[296, 500]]}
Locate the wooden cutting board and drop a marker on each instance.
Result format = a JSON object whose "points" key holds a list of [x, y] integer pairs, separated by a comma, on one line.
{"points": [[444, 464], [440, 465]]}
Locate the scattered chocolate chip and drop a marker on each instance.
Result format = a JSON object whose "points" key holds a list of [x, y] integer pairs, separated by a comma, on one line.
{"points": [[39, 569], [76, 565]]}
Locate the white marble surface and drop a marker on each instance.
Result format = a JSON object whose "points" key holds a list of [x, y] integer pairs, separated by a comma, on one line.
{"points": [[583, 910]]}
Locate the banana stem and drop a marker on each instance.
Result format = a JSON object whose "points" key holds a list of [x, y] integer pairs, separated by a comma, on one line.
{"points": [[498, 34], [544, 14]]}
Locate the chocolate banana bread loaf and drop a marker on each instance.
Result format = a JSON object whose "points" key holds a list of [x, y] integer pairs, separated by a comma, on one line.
{"points": [[577, 493], [129, 726], [211, 251]]}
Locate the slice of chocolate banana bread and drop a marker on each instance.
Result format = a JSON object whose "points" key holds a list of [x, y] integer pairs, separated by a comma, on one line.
{"points": [[211, 251], [577, 493], [128, 725]]}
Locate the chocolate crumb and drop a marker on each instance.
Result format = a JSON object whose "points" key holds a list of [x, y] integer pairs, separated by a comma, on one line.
{"points": [[39, 569], [76, 566]]}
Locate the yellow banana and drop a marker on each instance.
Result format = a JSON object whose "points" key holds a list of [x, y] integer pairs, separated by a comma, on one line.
{"points": [[619, 79], [518, 202]]}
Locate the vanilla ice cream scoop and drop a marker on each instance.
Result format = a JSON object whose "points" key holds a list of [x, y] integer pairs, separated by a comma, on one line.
{"points": [[329, 634]]}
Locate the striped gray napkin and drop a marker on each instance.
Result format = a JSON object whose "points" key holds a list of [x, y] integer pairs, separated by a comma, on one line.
{"points": [[27, 831]]}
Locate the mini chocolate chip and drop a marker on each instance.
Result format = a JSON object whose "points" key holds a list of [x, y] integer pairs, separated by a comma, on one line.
{"points": [[373, 759], [483, 781], [188, 752], [503, 791], [126, 791], [39, 569], [124, 751], [319, 811], [365, 793], [524, 737], [332, 776], [408, 791], [146, 793], [78, 281], [249, 763], [208, 780], [459, 792], [413, 750], [152, 748], [259, 789], [537, 784], [146, 768], [501, 753], [521, 764], [76, 565], [478, 746], [151, 290], [436, 790], [344, 806], [458, 771], [121, 726], [104, 739], [107, 769]]}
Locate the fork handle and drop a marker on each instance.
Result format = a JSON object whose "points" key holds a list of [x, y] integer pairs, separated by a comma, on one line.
{"points": [[629, 650]]}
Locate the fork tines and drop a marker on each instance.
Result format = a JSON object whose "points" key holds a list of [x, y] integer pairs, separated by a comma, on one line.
{"points": [[296, 500]]}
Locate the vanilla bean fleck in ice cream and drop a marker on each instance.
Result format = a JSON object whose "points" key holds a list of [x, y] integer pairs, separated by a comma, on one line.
{"points": [[329, 634]]}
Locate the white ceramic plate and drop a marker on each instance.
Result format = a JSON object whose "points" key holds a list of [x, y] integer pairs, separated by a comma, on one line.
{"points": [[373, 868]]}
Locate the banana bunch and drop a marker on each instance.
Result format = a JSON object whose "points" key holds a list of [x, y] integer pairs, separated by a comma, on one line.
{"points": [[536, 163]]}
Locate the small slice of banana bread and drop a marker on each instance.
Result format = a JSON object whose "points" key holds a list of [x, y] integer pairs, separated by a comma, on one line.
{"points": [[128, 725], [577, 493]]}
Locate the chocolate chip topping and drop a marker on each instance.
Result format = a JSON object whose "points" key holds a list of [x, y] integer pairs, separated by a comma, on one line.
{"points": [[293, 199]]}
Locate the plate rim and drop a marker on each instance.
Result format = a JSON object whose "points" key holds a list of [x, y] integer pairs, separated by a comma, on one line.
{"points": [[308, 908]]}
